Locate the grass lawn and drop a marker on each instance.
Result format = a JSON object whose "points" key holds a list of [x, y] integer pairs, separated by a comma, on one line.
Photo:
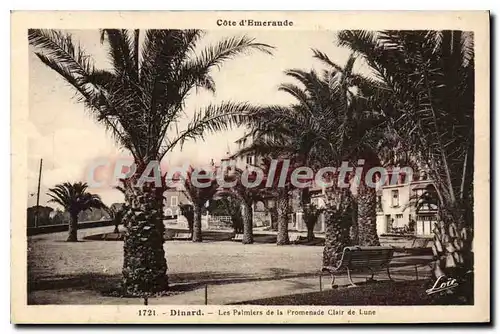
{"points": [[377, 293]]}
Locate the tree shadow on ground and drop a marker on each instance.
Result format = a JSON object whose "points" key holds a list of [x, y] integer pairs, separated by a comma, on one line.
{"points": [[378, 293], [180, 282], [85, 281], [100, 281], [193, 281], [208, 236]]}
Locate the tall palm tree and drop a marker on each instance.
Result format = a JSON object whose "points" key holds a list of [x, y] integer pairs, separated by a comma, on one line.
{"points": [[74, 198], [424, 82], [294, 133], [358, 137], [325, 126], [140, 102]]}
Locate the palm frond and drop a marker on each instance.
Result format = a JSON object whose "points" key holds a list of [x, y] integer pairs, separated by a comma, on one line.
{"points": [[212, 118]]}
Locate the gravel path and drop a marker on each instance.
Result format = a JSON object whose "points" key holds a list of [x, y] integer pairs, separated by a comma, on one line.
{"points": [[74, 273]]}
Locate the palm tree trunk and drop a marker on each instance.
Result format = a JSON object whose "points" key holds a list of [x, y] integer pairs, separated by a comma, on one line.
{"points": [[197, 223], [282, 207], [336, 235], [117, 223], [73, 228], [190, 222], [273, 212], [367, 216], [452, 249], [354, 230], [310, 233], [247, 215], [144, 263]]}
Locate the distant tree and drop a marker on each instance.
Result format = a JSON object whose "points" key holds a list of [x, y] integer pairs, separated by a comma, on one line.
{"points": [[311, 215], [198, 195], [116, 213], [43, 215], [188, 212], [74, 198], [231, 206], [244, 196], [60, 217]]}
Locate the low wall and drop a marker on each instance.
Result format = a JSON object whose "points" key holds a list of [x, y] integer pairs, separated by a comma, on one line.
{"points": [[405, 241], [64, 227]]}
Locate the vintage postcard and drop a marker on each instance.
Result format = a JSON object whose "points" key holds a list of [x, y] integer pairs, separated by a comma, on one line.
{"points": [[250, 167]]}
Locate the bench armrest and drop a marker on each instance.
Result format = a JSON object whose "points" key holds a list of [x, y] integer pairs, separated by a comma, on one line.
{"points": [[329, 269]]}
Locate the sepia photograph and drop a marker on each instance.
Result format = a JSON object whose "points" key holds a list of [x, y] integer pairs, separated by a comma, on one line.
{"points": [[259, 168]]}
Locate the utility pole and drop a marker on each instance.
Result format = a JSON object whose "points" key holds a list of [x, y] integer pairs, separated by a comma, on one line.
{"points": [[38, 194]]}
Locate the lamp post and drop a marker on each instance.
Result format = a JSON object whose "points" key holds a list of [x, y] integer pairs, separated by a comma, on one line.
{"points": [[38, 194]]}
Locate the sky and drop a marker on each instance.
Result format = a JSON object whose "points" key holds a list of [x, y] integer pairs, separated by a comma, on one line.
{"points": [[62, 132]]}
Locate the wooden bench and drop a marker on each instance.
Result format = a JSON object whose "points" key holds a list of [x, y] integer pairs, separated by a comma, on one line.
{"points": [[359, 259], [237, 237], [182, 236]]}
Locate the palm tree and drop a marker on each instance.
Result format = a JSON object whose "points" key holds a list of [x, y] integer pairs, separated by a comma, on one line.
{"points": [[231, 206], [245, 196], [116, 212], [188, 212], [325, 126], [358, 137], [338, 220], [311, 214], [293, 133], [273, 214], [74, 198], [424, 82], [281, 193], [140, 102], [199, 196]]}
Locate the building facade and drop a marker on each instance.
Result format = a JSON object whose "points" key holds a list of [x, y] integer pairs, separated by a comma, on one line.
{"points": [[399, 210]]}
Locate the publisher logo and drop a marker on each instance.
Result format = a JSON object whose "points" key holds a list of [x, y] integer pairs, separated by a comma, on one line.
{"points": [[442, 284]]}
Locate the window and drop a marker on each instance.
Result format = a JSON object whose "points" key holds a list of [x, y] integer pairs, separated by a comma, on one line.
{"points": [[398, 221], [249, 160], [168, 212], [174, 201], [395, 198], [379, 203], [388, 222]]}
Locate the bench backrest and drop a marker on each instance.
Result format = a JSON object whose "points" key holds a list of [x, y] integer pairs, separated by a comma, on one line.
{"points": [[357, 257]]}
